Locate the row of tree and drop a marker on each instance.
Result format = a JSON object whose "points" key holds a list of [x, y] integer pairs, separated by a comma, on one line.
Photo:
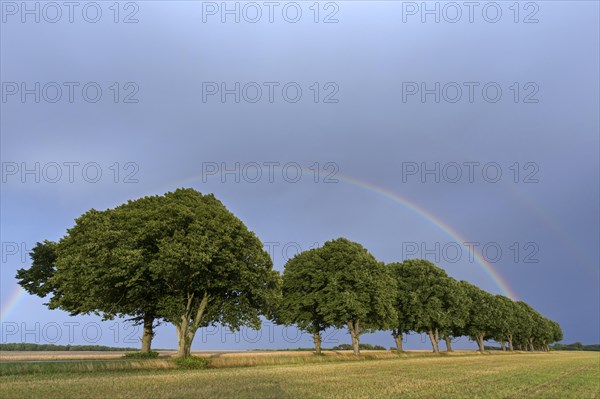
{"points": [[342, 284], [183, 258]]}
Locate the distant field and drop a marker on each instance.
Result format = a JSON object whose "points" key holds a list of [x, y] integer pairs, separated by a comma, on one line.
{"points": [[75, 355], [10, 356], [296, 375]]}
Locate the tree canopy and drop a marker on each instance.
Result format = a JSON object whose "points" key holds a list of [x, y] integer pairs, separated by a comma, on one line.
{"points": [[214, 269], [304, 279], [428, 301], [359, 290], [181, 257], [101, 266]]}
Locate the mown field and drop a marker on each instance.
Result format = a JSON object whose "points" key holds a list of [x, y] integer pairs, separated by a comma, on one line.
{"points": [[415, 375]]}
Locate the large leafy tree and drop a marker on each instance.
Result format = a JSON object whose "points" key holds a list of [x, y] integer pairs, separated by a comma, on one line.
{"points": [[180, 257], [101, 266], [544, 331], [525, 323], [213, 268], [425, 299], [506, 322], [483, 315], [403, 305], [457, 305], [532, 330], [304, 279], [359, 294]]}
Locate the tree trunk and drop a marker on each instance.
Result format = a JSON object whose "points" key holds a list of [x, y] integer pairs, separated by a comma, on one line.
{"points": [[502, 345], [183, 344], [448, 344], [480, 343], [187, 327], [434, 342], [531, 345], [317, 340], [510, 343], [148, 333], [397, 334], [353, 327]]}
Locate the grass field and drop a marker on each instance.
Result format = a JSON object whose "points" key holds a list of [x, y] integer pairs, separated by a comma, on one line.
{"points": [[383, 375]]}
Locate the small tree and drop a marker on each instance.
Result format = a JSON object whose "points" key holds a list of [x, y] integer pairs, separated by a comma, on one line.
{"points": [[557, 334], [359, 293]]}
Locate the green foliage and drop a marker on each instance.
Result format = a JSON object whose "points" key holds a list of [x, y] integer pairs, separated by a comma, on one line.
{"points": [[35, 280], [357, 287], [214, 269], [103, 262], [457, 308], [339, 284], [524, 316], [358, 291], [483, 314], [191, 362], [506, 323], [141, 355], [302, 293], [577, 346], [101, 265], [426, 298], [557, 334]]}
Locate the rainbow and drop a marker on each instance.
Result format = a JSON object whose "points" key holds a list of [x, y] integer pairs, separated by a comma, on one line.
{"points": [[439, 223], [9, 304]]}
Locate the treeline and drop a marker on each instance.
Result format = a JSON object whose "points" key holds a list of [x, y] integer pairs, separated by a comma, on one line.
{"points": [[53, 347], [183, 258], [341, 347], [577, 346], [342, 284], [366, 347]]}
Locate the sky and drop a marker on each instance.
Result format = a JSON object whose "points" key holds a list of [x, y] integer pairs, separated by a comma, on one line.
{"points": [[466, 136]]}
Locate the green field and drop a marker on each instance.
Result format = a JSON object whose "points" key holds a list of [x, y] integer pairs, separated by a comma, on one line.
{"points": [[418, 375]]}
